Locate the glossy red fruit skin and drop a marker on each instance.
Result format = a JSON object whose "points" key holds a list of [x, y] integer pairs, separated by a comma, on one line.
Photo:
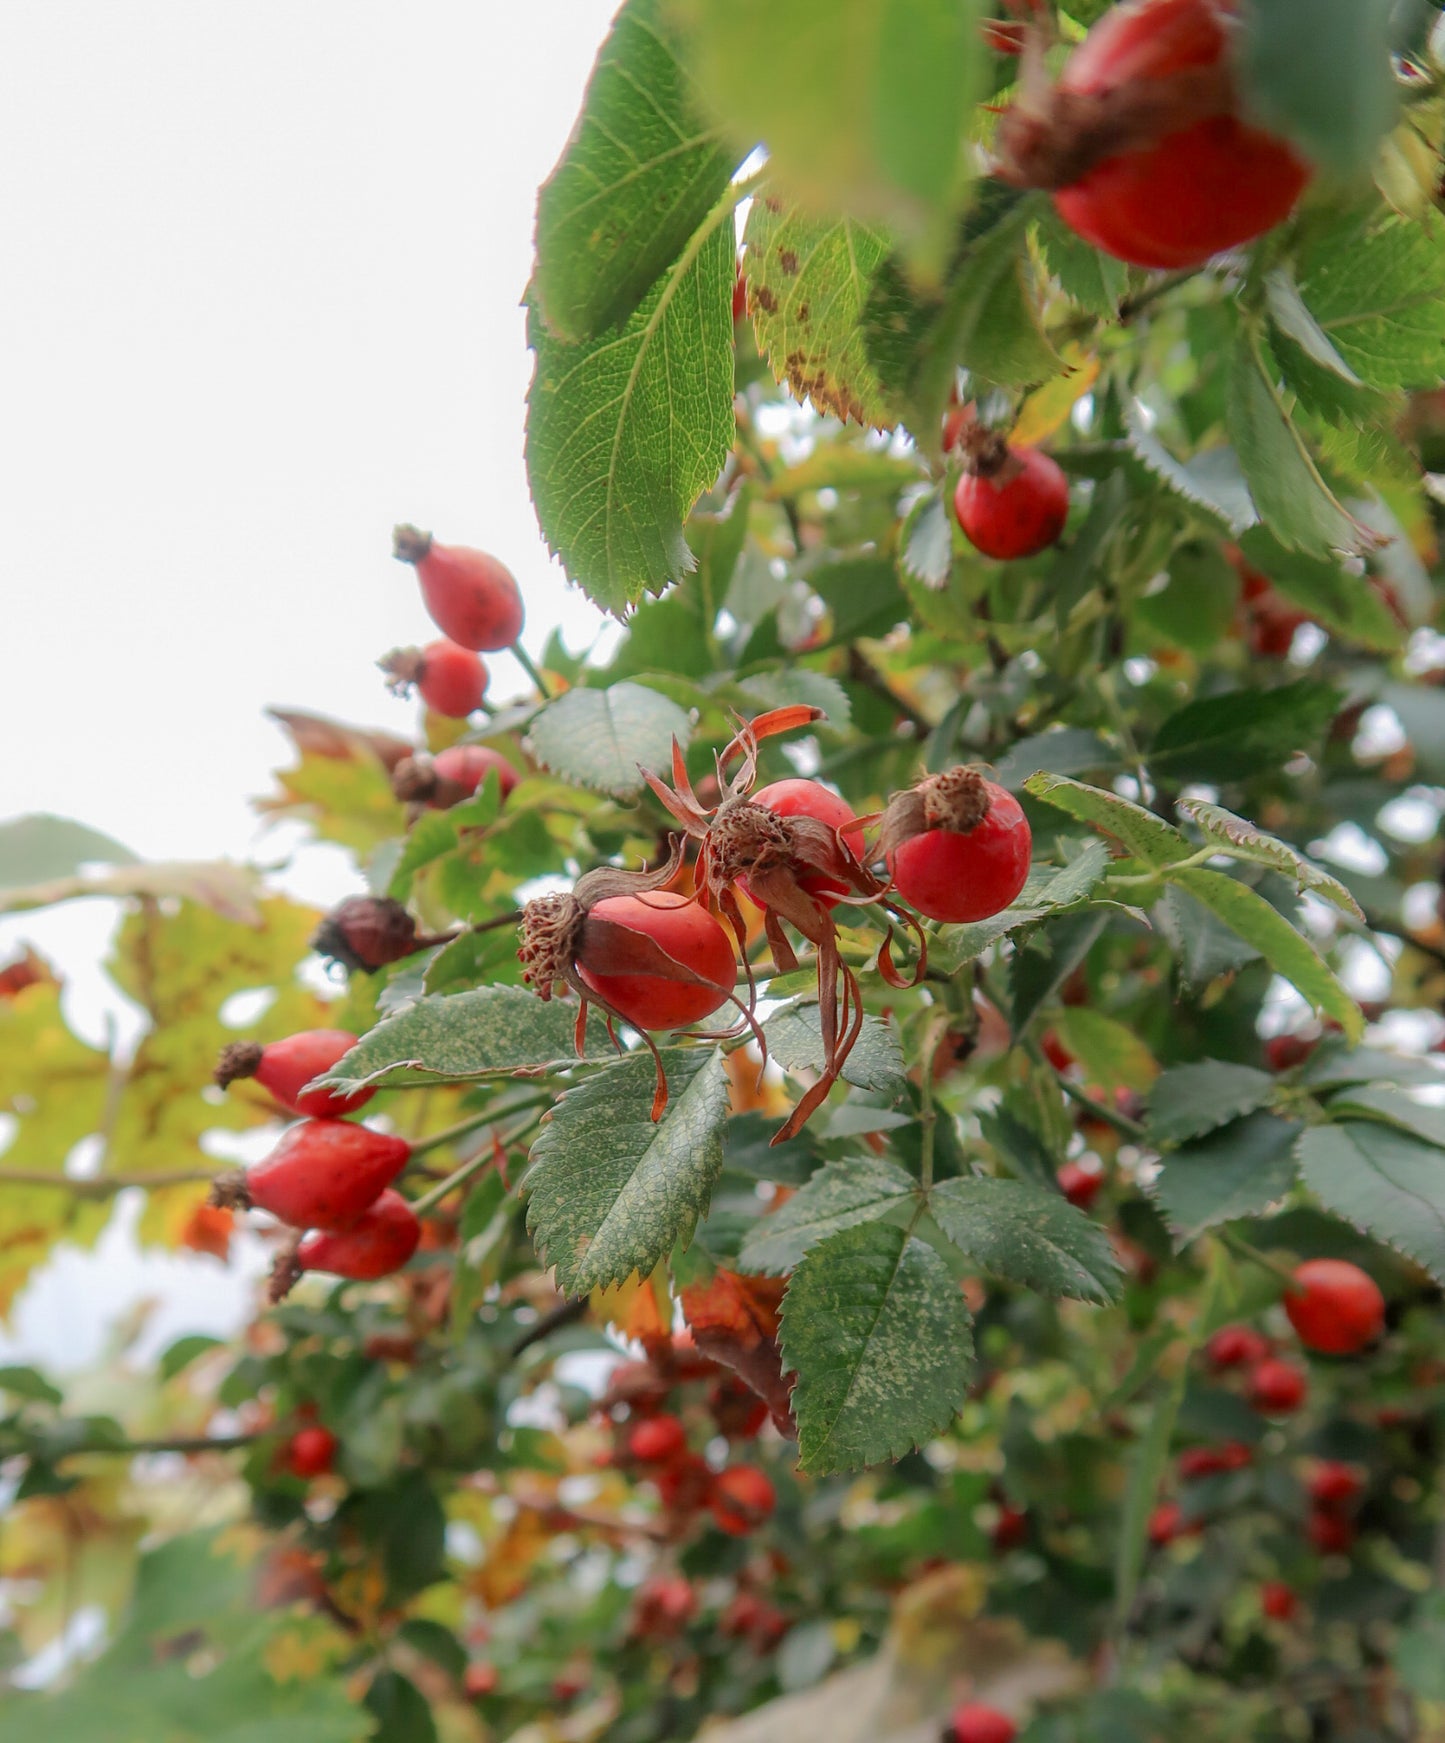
{"points": [[1078, 1184], [657, 1441], [1332, 1485], [380, 1241], [1016, 513], [1336, 1309], [1236, 1346], [1166, 1523], [798, 797], [1278, 1601], [1207, 187], [1276, 1388], [324, 1173], [310, 1451], [1330, 1533], [961, 877], [469, 765], [288, 1066], [691, 936], [1284, 1052], [683, 1485], [453, 680], [1011, 1528], [972, 1723], [480, 1680], [1055, 1051], [742, 1499], [1212, 1461], [471, 597]]}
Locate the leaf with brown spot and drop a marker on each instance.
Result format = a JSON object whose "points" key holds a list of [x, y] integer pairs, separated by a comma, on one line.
{"points": [[808, 279]]}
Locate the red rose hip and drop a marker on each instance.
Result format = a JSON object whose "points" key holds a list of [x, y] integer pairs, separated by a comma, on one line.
{"points": [[1276, 1388], [1278, 1601], [686, 933], [1333, 1484], [973, 1723], [1012, 505], [284, 1068], [742, 1499], [1080, 1185], [450, 679], [797, 797], [322, 1174], [381, 1240], [1335, 1307], [958, 846], [1208, 185], [657, 1441], [310, 1452], [472, 598], [1236, 1346]]}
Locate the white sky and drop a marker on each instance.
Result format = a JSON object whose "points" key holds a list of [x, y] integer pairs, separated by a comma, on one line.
{"points": [[263, 267]]}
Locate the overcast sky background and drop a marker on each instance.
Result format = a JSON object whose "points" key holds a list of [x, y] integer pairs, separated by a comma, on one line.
{"points": [[260, 303]]}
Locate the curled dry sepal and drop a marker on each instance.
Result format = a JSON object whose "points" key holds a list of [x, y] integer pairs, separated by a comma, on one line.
{"points": [[738, 839], [561, 937], [957, 800]]}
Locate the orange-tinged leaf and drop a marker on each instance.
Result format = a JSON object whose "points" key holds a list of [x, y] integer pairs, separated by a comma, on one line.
{"points": [[1047, 408], [640, 1308]]}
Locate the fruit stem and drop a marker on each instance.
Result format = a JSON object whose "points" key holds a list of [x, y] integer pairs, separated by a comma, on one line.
{"points": [[533, 671], [1242, 1249], [429, 1200], [1099, 1110], [437, 1139], [103, 1185]]}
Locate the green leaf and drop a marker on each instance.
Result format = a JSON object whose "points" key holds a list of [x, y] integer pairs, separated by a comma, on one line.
{"points": [[1293, 499], [1204, 947], [862, 596], [40, 848], [1375, 284], [1246, 840], [857, 1190], [1385, 1182], [1141, 1491], [487, 1032], [1243, 732], [182, 1353], [609, 1192], [1210, 482], [436, 833], [1088, 276], [1196, 608], [626, 431], [1189, 1100], [877, 1332], [808, 279], [986, 319], [1029, 1236], [598, 738], [1423, 1119], [1047, 892], [29, 1384], [1139, 831], [864, 106], [1042, 966], [399, 1709], [638, 176], [1291, 318], [1331, 1066], [1318, 73], [1286, 951], [1239, 1169], [1111, 1053], [925, 556], [795, 1042]]}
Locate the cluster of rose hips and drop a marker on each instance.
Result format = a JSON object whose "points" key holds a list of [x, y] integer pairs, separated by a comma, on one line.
{"points": [[475, 600], [956, 847], [329, 1177], [1336, 1309]]}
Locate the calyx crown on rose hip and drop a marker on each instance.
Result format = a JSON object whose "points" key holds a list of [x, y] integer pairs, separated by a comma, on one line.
{"points": [[956, 800], [739, 839]]}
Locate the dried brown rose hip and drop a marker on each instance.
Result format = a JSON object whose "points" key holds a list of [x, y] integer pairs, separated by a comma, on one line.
{"points": [[365, 933]]}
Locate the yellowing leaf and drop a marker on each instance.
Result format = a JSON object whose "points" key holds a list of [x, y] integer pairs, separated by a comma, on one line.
{"points": [[1047, 408]]}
